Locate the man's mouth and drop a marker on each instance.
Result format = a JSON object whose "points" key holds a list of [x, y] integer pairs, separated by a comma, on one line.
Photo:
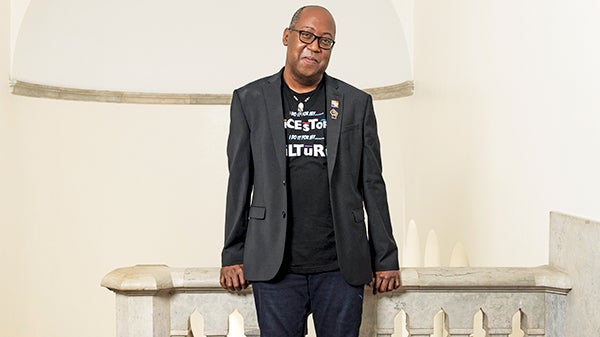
{"points": [[310, 60]]}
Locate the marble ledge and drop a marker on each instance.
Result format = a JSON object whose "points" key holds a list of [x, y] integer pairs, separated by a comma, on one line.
{"points": [[35, 90], [471, 278], [139, 278], [151, 279]]}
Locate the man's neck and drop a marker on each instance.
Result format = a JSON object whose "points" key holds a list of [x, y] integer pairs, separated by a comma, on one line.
{"points": [[301, 86]]}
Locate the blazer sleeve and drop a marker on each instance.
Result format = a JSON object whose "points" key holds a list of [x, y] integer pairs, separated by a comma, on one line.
{"points": [[384, 252], [239, 186]]}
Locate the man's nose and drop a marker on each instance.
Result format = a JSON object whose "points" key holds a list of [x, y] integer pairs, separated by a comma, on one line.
{"points": [[314, 46]]}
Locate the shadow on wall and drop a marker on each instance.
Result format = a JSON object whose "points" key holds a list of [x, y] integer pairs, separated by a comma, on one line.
{"points": [[414, 257]]}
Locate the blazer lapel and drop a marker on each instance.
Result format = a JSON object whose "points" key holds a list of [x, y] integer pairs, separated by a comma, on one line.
{"points": [[273, 103], [335, 108]]}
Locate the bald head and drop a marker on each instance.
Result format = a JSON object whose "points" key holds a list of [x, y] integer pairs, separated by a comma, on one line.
{"points": [[311, 8], [309, 40]]}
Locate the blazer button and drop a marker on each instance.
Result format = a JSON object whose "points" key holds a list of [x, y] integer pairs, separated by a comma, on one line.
{"points": [[284, 182], [283, 214]]}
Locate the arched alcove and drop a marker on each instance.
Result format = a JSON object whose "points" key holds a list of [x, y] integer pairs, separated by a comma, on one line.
{"points": [[191, 49]]}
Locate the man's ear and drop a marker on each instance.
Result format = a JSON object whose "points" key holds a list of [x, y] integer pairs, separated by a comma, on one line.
{"points": [[286, 35]]}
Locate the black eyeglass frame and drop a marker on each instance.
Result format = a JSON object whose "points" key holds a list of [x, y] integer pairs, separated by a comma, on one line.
{"points": [[318, 38]]}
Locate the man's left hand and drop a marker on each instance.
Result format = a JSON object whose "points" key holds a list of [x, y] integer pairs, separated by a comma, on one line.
{"points": [[387, 280]]}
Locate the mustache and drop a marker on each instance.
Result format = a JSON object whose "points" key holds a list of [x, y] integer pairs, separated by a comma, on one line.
{"points": [[310, 55]]}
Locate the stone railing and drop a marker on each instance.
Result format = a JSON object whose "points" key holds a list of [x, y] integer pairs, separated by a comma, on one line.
{"points": [[158, 301]]}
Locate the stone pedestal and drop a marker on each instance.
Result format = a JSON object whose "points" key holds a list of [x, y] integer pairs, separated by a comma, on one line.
{"points": [[574, 249]]}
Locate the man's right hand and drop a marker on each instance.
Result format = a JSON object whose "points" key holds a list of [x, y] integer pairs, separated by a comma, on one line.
{"points": [[232, 278]]}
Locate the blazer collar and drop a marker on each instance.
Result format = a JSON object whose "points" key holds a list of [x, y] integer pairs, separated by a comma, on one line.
{"points": [[274, 105], [335, 108]]}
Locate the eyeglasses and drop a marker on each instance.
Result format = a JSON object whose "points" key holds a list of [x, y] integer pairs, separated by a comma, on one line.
{"points": [[308, 38]]}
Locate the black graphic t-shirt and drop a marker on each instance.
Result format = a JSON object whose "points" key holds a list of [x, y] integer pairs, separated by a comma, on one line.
{"points": [[311, 242]]}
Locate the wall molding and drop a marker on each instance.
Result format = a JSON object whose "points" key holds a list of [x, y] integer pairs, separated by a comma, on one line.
{"points": [[21, 88]]}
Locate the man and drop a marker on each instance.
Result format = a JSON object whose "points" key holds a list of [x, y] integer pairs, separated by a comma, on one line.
{"points": [[304, 160]]}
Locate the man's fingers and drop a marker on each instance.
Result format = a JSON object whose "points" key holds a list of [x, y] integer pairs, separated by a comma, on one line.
{"points": [[234, 283], [243, 282], [383, 285], [397, 282], [372, 285], [239, 282], [232, 278], [391, 284], [386, 281]]}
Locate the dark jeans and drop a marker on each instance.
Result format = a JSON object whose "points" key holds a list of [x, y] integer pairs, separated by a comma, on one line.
{"points": [[282, 305]]}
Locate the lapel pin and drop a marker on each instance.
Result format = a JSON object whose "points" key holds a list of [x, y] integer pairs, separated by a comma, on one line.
{"points": [[335, 103], [334, 113]]}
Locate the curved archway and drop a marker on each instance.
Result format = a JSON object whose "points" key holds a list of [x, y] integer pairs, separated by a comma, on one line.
{"points": [[189, 52]]}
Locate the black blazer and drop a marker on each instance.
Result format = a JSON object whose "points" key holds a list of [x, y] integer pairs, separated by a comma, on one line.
{"points": [[255, 220]]}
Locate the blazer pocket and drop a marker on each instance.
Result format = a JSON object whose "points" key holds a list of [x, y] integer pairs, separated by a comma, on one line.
{"points": [[359, 215], [257, 212]]}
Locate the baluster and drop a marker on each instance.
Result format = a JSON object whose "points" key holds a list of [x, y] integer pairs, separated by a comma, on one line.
{"points": [[518, 325], [236, 324], [440, 325], [479, 324], [196, 322], [310, 326], [400, 324]]}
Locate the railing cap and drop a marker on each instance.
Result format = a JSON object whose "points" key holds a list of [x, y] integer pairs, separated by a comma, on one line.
{"points": [[139, 278], [156, 278], [513, 278]]}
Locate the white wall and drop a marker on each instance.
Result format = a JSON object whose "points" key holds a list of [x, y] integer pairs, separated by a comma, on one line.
{"points": [[105, 186], [503, 128], [504, 123], [11, 232]]}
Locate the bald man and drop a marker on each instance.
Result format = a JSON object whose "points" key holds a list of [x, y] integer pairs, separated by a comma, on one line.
{"points": [[304, 165]]}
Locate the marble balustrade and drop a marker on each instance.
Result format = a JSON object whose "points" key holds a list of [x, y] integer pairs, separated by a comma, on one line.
{"points": [[155, 300], [547, 301]]}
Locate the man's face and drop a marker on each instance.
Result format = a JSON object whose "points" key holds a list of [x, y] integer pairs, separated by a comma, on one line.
{"points": [[307, 62]]}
